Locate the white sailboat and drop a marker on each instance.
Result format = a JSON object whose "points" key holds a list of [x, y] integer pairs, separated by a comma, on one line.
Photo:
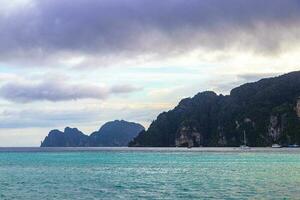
{"points": [[244, 146], [276, 146]]}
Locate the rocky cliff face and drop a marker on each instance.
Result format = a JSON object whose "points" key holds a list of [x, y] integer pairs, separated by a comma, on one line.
{"points": [[298, 107], [188, 135], [268, 111], [275, 128]]}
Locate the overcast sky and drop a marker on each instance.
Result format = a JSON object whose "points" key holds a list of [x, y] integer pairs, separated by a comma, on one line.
{"points": [[81, 63]]}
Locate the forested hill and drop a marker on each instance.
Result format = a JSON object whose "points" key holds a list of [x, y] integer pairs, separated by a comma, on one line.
{"points": [[267, 112]]}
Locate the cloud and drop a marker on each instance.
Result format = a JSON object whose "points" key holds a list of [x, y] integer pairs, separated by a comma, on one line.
{"points": [[250, 77], [224, 85], [58, 90], [119, 89], [110, 30], [9, 77], [26, 118], [77, 115]]}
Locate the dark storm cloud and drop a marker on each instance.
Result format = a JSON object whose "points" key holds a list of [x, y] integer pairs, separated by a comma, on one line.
{"points": [[58, 91], [132, 27]]}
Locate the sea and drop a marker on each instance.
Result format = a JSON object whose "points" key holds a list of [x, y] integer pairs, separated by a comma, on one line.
{"points": [[149, 173]]}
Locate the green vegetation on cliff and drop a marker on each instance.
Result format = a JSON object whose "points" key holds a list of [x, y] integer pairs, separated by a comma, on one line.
{"points": [[265, 110]]}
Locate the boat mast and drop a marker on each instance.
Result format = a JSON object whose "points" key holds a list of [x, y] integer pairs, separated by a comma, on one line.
{"points": [[245, 138]]}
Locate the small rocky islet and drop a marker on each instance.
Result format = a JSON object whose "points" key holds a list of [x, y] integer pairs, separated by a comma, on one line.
{"points": [[111, 134]]}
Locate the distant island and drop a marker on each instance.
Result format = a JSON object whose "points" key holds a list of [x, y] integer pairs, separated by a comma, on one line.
{"points": [[112, 134], [265, 112]]}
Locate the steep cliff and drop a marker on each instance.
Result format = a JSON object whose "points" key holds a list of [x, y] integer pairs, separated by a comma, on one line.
{"points": [[298, 107], [188, 135], [268, 111]]}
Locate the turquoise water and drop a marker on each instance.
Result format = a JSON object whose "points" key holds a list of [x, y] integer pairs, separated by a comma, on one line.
{"points": [[152, 174]]}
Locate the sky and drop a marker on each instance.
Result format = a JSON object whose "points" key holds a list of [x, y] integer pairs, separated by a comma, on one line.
{"points": [[82, 63]]}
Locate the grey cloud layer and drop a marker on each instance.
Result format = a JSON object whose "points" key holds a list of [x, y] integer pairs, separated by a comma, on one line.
{"points": [[224, 86], [18, 118], [58, 91], [133, 27], [34, 117]]}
